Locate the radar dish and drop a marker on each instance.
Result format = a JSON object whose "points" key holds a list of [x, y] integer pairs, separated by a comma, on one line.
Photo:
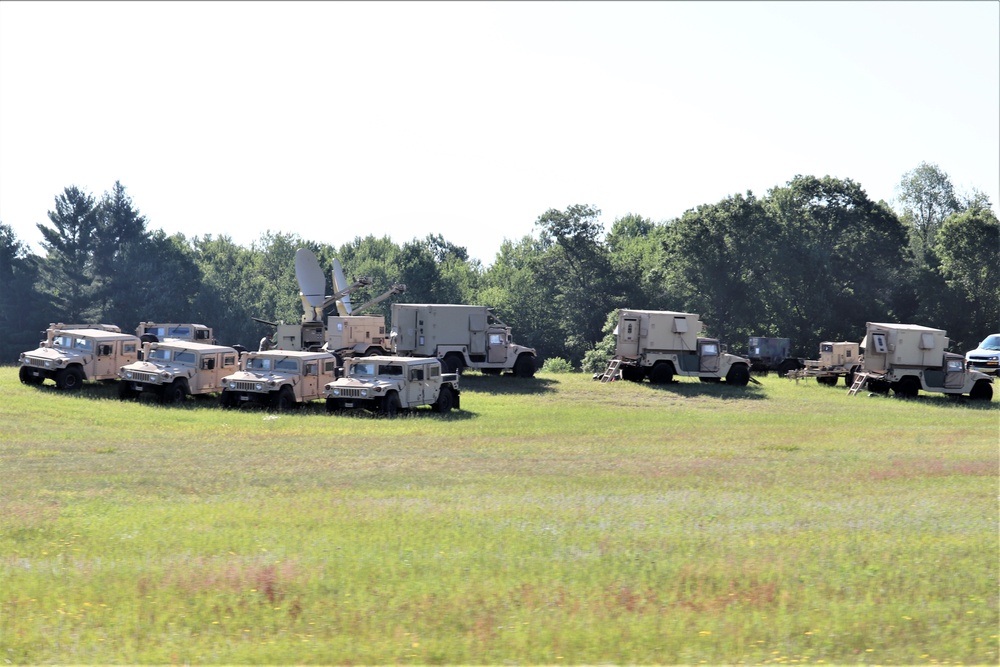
{"points": [[339, 285], [312, 282]]}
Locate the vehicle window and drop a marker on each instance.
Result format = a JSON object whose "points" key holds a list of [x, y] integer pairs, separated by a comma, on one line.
{"points": [[62, 341], [156, 331], [104, 350], [367, 368], [84, 344], [287, 365], [208, 363], [709, 350], [159, 354], [312, 368], [128, 348], [259, 364], [179, 332], [201, 334], [496, 339], [228, 360], [826, 348], [330, 367], [417, 374], [991, 343], [391, 369], [955, 366], [184, 357]]}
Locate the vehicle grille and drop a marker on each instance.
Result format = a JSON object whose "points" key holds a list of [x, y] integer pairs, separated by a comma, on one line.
{"points": [[351, 393], [35, 362], [245, 386], [143, 377]]}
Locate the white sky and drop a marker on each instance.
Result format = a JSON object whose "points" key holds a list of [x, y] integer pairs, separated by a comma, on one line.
{"points": [[334, 120]]}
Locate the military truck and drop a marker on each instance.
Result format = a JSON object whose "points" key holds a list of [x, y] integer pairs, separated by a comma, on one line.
{"points": [[908, 358], [771, 354], [387, 384], [658, 345], [279, 379], [152, 332], [72, 354], [836, 360], [462, 336], [174, 369]]}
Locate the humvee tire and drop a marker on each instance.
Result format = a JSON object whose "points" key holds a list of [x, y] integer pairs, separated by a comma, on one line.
{"points": [[69, 379], [27, 377], [390, 405], [662, 373], [174, 393], [907, 387], [453, 363], [981, 391], [738, 376], [524, 367], [828, 380], [125, 391], [284, 399], [445, 402]]}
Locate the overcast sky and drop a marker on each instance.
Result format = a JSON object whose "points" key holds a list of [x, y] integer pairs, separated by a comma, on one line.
{"points": [[335, 120]]}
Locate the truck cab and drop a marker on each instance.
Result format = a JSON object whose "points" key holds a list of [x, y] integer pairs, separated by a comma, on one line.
{"points": [[279, 379], [71, 354], [387, 384], [174, 369]]}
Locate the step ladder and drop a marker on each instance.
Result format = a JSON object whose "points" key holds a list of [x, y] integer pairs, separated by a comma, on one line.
{"points": [[860, 380], [613, 371]]}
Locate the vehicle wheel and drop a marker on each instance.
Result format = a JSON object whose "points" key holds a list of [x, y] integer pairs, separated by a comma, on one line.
{"points": [[28, 377], [981, 391], [284, 400], [907, 387], [69, 379], [662, 373], [173, 393], [788, 365], [332, 405], [227, 400], [828, 380], [524, 367], [453, 363], [445, 402], [849, 379], [125, 391], [390, 405], [738, 375], [632, 373]]}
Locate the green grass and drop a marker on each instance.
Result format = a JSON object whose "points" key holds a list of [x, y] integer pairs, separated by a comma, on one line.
{"points": [[556, 521]]}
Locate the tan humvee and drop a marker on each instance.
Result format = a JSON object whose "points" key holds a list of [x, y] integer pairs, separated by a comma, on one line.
{"points": [[154, 332], [388, 384], [175, 369], [69, 355], [280, 379]]}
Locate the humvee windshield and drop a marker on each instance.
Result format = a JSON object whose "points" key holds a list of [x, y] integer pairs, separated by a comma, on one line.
{"points": [[84, 344], [266, 364], [178, 356], [179, 332], [367, 368], [160, 354], [63, 341]]}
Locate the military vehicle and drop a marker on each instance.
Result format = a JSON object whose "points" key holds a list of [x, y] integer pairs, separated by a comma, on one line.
{"points": [[461, 336], [771, 354], [279, 379], [71, 354], [152, 332], [387, 384], [908, 358], [174, 369], [659, 345], [344, 335], [836, 360]]}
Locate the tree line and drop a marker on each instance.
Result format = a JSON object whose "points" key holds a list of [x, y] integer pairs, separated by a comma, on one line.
{"points": [[811, 260]]}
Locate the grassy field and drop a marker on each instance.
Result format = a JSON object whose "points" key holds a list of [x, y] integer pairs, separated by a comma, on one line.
{"points": [[556, 521]]}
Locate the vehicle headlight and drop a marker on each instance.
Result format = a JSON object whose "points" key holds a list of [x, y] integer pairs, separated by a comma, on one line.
{"points": [[364, 392], [336, 391], [128, 375], [258, 386], [232, 385], [48, 364], [165, 375]]}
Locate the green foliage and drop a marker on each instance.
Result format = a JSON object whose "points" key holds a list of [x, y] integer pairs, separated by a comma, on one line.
{"points": [[557, 365]]}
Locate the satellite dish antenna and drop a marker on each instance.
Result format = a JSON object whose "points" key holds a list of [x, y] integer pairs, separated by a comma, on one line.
{"points": [[339, 285], [312, 283]]}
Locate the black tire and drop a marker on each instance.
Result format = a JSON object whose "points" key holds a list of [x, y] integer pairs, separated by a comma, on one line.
{"points": [[227, 400], [284, 400], [28, 377], [828, 380], [524, 366], [125, 391], [453, 363], [390, 405], [174, 393], [662, 373], [738, 375], [333, 405], [981, 391], [445, 402], [907, 387], [69, 379], [788, 365]]}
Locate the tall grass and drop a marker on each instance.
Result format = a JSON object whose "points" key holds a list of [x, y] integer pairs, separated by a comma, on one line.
{"points": [[556, 520]]}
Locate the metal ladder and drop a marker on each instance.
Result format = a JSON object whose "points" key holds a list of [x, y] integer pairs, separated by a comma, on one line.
{"points": [[860, 380], [613, 371]]}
